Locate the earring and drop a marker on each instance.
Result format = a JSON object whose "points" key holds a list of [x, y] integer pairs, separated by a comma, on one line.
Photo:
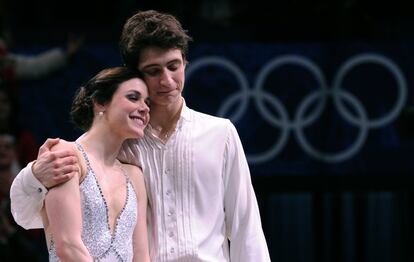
{"points": [[100, 113]]}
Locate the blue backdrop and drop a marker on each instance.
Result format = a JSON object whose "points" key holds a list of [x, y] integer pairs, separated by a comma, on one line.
{"points": [[300, 108]]}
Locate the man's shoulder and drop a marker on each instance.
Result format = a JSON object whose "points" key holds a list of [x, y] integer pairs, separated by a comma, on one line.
{"points": [[209, 122], [211, 119]]}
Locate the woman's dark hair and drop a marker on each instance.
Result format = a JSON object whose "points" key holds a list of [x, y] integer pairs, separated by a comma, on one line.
{"points": [[151, 29], [100, 89]]}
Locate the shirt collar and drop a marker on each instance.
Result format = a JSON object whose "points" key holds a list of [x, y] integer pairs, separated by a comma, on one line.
{"points": [[185, 112]]}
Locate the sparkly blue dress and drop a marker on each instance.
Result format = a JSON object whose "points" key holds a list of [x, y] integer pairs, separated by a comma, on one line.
{"points": [[96, 234]]}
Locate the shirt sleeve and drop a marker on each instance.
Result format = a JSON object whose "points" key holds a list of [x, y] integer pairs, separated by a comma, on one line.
{"points": [[27, 195], [243, 224], [129, 153]]}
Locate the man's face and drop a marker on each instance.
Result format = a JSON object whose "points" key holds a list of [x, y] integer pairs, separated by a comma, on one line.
{"points": [[163, 71]]}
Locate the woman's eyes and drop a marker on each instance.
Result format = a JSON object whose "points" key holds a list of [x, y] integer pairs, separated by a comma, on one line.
{"points": [[133, 97]]}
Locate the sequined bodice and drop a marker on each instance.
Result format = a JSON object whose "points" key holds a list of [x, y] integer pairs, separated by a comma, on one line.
{"points": [[96, 233]]}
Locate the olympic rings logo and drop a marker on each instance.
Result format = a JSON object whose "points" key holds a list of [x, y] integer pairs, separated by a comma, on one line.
{"points": [[300, 121]]}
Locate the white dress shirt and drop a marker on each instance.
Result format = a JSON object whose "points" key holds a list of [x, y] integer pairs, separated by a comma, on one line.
{"points": [[199, 191], [27, 195]]}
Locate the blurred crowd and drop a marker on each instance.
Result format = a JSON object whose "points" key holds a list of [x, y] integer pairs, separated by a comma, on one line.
{"points": [[18, 145]]}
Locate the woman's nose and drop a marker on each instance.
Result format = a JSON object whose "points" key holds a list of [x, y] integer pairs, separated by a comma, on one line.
{"points": [[144, 107]]}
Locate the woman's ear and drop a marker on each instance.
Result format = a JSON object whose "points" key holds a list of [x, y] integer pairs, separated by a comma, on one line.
{"points": [[98, 108]]}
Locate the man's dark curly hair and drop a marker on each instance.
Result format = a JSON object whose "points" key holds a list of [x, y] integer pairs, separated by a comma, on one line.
{"points": [[151, 29]]}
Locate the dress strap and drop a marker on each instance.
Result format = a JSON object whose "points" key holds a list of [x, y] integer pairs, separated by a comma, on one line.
{"points": [[85, 156], [124, 172]]}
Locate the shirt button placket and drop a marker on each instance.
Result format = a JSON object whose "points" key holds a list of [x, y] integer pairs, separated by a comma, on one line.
{"points": [[171, 237], [170, 208]]}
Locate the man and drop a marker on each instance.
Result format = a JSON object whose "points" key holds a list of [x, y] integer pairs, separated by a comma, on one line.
{"points": [[202, 206]]}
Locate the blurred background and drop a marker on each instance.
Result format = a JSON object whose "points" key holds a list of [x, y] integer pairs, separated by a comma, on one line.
{"points": [[321, 93]]}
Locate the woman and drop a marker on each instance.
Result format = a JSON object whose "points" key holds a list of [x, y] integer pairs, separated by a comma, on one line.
{"points": [[100, 214]]}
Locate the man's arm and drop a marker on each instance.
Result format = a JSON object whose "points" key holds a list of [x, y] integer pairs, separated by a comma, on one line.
{"points": [[129, 153], [27, 195], [29, 188], [243, 224]]}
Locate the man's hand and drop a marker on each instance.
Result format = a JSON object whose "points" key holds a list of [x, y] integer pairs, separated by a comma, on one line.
{"points": [[54, 167]]}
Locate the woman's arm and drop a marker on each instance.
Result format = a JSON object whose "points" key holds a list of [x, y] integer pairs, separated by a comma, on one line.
{"points": [[140, 236], [63, 208]]}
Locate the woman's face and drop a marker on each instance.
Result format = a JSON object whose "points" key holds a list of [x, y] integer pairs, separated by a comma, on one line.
{"points": [[128, 111]]}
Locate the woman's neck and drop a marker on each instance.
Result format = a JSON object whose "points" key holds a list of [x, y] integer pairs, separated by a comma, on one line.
{"points": [[102, 145]]}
